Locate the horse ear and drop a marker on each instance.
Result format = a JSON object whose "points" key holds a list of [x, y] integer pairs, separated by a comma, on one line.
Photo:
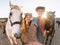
{"points": [[10, 4]]}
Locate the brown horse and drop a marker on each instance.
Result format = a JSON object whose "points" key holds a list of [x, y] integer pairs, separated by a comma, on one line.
{"points": [[49, 26], [29, 34]]}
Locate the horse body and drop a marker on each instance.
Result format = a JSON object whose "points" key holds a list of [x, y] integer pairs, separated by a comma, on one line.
{"points": [[13, 25], [49, 26], [32, 36]]}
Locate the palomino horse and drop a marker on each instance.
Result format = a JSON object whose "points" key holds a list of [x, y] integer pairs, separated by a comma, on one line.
{"points": [[13, 24], [49, 26]]}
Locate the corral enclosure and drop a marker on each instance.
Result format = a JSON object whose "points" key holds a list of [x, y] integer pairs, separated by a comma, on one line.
{"points": [[4, 40]]}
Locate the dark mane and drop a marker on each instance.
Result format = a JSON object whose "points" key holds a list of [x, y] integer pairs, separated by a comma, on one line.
{"points": [[49, 26]]}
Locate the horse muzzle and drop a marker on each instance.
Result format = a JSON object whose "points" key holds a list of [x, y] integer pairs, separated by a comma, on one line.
{"points": [[17, 36]]}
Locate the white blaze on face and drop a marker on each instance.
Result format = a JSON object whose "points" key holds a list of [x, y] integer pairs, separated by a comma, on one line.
{"points": [[16, 16]]}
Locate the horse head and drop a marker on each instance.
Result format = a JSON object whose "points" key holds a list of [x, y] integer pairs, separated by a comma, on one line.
{"points": [[15, 19], [16, 7], [50, 14]]}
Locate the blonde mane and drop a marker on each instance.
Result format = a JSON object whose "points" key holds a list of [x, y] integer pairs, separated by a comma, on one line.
{"points": [[17, 7]]}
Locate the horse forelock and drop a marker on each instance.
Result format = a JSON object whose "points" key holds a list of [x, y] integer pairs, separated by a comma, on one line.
{"points": [[16, 7], [15, 14]]}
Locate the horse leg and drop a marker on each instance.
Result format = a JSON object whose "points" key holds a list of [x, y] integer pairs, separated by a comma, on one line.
{"points": [[46, 40], [4, 30], [11, 41], [51, 37], [50, 41], [58, 25], [14, 39]]}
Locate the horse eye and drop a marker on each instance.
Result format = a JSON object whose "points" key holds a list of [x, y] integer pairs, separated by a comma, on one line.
{"points": [[10, 14]]}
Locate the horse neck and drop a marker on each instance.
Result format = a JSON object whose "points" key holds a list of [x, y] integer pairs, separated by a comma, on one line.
{"points": [[8, 21]]}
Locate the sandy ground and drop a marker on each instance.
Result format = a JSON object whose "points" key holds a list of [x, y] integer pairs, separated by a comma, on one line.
{"points": [[56, 40], [4, 40]]}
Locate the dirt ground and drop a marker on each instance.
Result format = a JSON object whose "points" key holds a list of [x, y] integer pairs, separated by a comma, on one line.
{"points": [[4, 40], [56, 40]]}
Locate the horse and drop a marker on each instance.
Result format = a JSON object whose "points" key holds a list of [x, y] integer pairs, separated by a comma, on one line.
{"points": [[29, 36], [49, 27], [58, 22], [13, 24]]}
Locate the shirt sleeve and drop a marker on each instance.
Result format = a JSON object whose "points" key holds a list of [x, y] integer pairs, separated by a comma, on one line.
{"points": [[34, 22]]}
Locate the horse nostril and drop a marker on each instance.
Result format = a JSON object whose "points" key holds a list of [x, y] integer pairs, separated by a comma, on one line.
{"points": [[17, 36]]}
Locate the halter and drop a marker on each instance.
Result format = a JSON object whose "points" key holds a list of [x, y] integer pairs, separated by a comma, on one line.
{"points": [[17, 22]]}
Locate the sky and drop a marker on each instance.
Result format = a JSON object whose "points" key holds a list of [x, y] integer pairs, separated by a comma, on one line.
{"points": [[29, 6]]}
